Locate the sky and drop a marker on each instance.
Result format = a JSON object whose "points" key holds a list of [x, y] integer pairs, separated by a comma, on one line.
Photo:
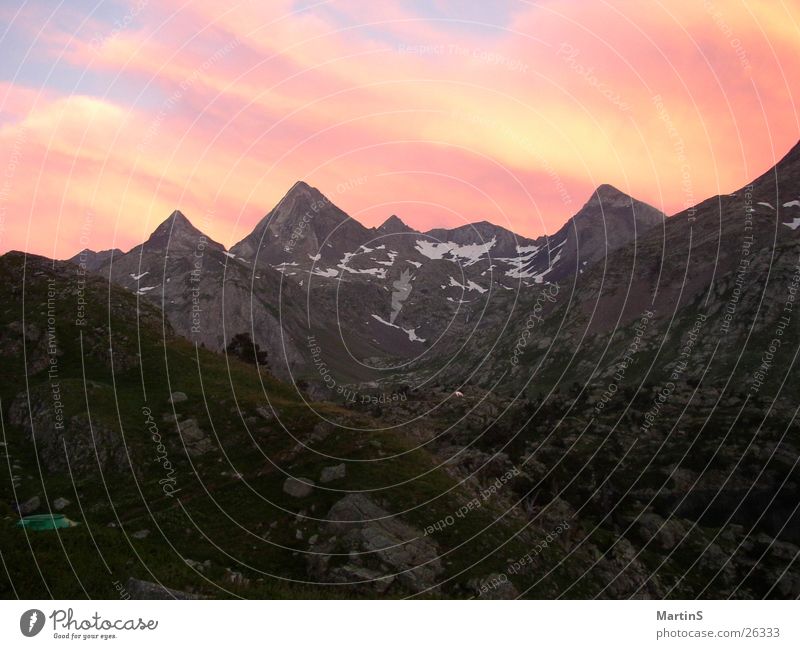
{"points": [[113, 114]]}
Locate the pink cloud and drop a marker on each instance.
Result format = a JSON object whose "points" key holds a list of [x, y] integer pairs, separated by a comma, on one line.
{"points": [[230, 105]]}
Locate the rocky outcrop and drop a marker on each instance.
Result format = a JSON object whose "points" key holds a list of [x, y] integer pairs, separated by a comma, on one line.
{"points": [[209, 295], [331, 473], [73, 443], [298, 487], [195, 438], [29, 506], [365, 545]]}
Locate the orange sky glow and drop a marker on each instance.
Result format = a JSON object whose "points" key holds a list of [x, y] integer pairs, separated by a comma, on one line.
{"points": [[438, 113]]}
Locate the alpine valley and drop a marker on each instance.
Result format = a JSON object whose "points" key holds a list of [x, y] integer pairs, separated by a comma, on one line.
{"points": [[331, 410]]}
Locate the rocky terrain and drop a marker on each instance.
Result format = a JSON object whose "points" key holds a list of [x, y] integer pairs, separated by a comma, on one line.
{"points": [[330, 410], [375, 300]]}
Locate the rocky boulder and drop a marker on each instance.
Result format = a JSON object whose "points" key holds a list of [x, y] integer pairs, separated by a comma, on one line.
{"points": [[196, 440], [61, 503], [331, 473], [29, 506], [380, 549], [298, 487], [76, 443]]}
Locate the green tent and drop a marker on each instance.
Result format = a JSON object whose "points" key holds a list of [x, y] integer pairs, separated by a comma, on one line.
{"points": [[41, 522]]}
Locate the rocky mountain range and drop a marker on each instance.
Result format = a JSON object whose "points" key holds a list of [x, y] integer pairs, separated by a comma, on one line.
{"points": [[308, 269], [393, 305], [336, 410]]}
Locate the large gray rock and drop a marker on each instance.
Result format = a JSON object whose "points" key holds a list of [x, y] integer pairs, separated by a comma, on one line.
{"points": [[298, 487], [664, 534], [381, 550], [29, 506], [61, 503], [331, 473], [196, 440], [80, 444], [265, 413]]}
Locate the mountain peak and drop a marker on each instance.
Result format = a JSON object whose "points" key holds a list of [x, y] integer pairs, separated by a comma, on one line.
{"points": [[607, 201], [176, 231], [177, 218], [92, 260], [394, 225], [607, 190], [608, 195], [301, 189], [301, 199], [304, 222], [174, 223]]}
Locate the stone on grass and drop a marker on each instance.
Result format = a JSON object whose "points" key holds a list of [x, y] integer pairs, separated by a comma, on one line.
{"points": [[298, 487], [331, 473], [60, 503], [29, 506]]}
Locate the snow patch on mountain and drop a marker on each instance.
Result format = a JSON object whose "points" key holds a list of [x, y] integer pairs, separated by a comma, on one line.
{"points": [[518, 264], [380, 273], [469, 286], [468, 253], [411, 333], [325, 272]]}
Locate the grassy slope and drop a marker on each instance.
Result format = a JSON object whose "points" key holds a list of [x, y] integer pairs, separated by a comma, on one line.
{"points": [[245, 525]]}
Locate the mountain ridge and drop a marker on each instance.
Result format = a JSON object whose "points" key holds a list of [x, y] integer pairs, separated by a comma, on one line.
{"points": [[313, 199]]}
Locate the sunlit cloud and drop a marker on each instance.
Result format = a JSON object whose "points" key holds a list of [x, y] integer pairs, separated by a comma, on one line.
{"points": [[422, 111]]}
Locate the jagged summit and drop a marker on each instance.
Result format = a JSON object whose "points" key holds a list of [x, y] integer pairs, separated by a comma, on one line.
{"points": [[177, 232], [607, 191], [609, 220], [88, 252], [606, 195], [303, 223], [608, 202], [91, 260], [176, 220], [302, 203], [477, 229], [497, 239], [301, 189], [394, 225]]}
